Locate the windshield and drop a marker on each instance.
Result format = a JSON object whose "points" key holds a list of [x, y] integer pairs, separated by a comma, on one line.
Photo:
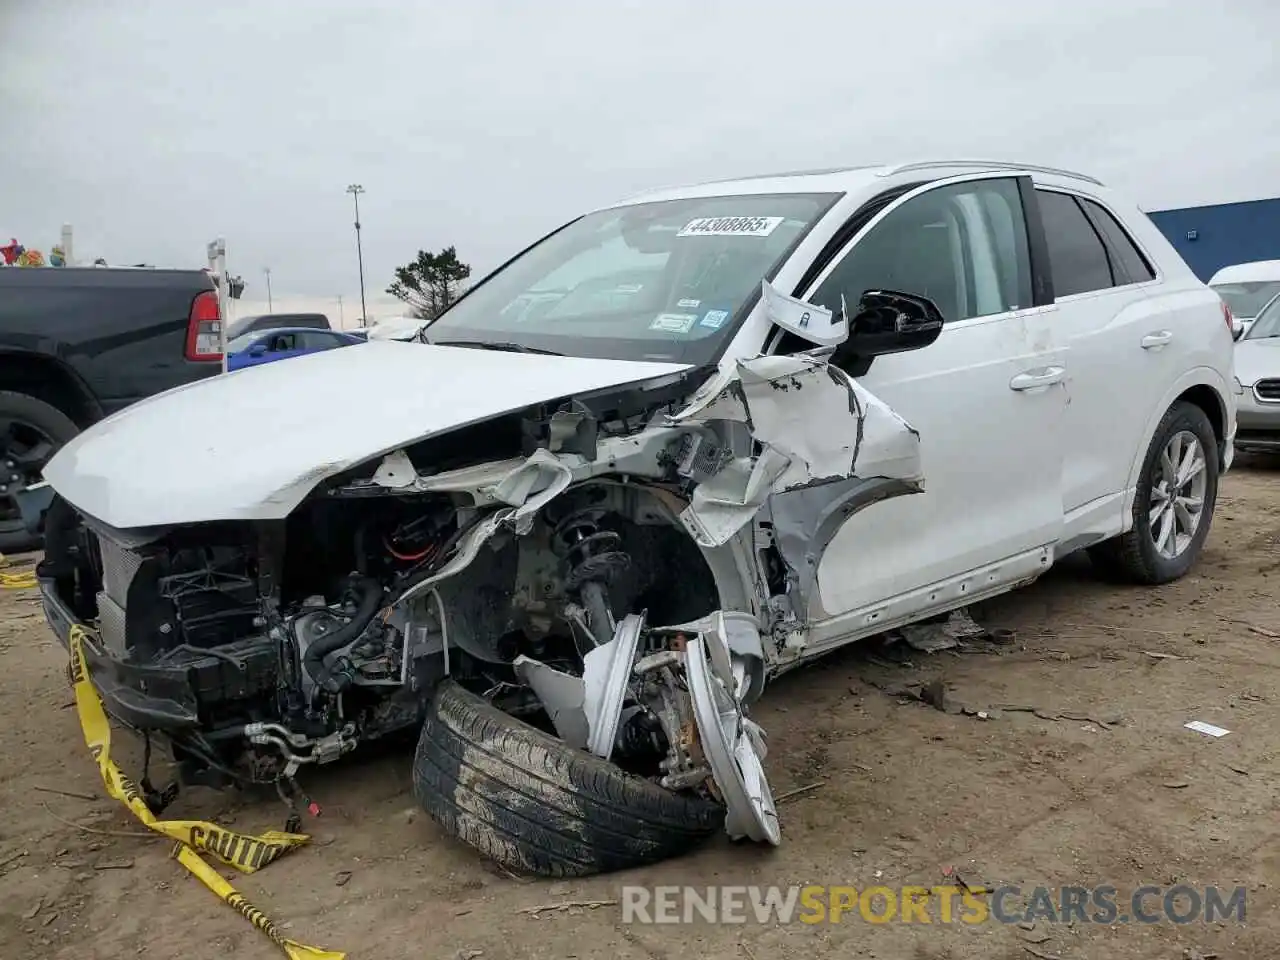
{"points": [[1246, 299], [1267, 324], [654, 281]]}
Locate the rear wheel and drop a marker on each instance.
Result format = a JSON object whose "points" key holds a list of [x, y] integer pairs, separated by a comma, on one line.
{"points": [[534, 804], [1173, 504], [31, 431]]}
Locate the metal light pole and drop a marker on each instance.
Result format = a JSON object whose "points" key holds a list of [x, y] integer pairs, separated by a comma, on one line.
{"points": [[270, 304], [355, 190]]}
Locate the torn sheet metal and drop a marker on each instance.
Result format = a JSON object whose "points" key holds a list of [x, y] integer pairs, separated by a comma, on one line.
{"points": [[736, 635], [532, 485], [562, 696], [816, 426]]}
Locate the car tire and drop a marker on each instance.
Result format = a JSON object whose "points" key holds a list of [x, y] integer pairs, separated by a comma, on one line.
{"points": [[536, 805], [31, 414], [1134, 556]]}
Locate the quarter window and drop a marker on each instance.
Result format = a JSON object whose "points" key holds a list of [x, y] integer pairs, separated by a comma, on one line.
{"points": [[1077, 256], [1127, 260], [963, 246]]}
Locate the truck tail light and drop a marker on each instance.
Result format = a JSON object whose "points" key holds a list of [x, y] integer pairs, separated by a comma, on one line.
{"points": [[1226, 315], [204, 328]]}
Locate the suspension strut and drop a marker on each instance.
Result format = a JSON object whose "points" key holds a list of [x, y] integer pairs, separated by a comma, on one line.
{"points": [[594, 559]]}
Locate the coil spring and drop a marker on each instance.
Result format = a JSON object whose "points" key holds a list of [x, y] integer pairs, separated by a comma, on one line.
{"points": [[593, 555]]}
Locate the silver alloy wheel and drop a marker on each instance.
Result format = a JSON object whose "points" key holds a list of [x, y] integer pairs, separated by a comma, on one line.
{"points": [[1179, 481]]}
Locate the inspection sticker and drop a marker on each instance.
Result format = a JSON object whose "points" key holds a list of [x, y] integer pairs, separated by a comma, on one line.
{"points": [[714, 319], [674, 322], [730, 227]]}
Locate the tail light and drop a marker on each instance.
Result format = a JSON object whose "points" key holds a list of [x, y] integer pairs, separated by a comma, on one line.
{"points": [[1230, 320], [204, 328]]}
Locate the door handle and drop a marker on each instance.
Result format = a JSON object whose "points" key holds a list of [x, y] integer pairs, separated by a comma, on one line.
{"points": [[1047, 376], [1157, 339]]}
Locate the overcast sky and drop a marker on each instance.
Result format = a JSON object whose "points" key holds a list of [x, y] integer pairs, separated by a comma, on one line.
{"points": [[155, 126]]}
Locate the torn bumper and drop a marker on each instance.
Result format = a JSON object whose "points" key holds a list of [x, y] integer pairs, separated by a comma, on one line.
{"points": [[163, 697]]}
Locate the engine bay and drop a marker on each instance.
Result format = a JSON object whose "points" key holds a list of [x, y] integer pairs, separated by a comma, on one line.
{"points": [[296, 642]]}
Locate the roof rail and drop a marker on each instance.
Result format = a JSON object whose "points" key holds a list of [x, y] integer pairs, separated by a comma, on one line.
{"points": [[989, 165]]}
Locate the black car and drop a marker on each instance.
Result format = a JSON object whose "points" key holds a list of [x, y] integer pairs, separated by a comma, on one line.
{"points": [[78, 344]]}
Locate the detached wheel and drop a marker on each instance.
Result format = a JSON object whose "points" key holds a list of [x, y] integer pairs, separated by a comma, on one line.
{"points": [[1173, 504], [31, 431], [532, 803]]}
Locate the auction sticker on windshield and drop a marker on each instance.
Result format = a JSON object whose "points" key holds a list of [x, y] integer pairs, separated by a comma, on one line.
{"points": [[730, 227], [674, 322]]}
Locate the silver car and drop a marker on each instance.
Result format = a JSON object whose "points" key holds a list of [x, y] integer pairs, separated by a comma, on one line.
{"points": [[1258, 370]]}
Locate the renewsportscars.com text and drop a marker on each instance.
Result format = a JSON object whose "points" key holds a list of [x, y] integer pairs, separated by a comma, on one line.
{"points": [[943, 904]]}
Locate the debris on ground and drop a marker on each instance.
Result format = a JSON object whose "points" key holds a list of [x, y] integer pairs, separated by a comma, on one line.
{"points": [[799, 791], [1253, 628], [1208, 729], [566, 905], [1163, 656], [945, 633], [30, 912], [341, 878], [1176, 784], [118, 863], [65, 793]]}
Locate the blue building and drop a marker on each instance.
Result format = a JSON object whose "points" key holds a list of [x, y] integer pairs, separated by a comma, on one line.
{"points": [[1221, 234]]}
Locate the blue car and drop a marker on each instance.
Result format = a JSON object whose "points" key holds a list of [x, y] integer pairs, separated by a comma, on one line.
{"points": [[267, 346]]}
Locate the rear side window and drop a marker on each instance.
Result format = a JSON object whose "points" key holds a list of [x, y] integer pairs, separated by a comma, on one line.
{"points": [[1077, 256], [1126, 259], [319, 341]]}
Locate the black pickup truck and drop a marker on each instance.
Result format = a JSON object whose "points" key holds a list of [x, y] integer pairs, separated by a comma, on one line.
{"points": [[78, 344]]}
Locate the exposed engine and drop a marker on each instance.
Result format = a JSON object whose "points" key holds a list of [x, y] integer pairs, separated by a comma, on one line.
{"points": [[257, 649]]}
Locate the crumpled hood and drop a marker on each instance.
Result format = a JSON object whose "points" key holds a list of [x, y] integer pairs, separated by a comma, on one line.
{"points": [[1257, 360], [251, 445]]}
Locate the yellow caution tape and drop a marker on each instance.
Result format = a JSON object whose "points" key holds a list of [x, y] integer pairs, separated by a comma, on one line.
{"points": [[15, 581], [244, 852]]}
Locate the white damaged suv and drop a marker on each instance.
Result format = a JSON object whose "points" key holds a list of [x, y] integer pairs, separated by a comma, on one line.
{"points": [[669, 451]]}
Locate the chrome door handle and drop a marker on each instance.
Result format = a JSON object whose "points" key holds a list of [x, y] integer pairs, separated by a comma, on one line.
{"points": [[1157, 339], [1044, 377]]}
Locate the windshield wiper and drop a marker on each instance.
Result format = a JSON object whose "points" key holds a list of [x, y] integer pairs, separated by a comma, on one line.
{"points": [[506, 346]]}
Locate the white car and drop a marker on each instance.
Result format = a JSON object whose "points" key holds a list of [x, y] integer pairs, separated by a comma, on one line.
{"points": [[1257, 366], [677, 447], [1246, 288]]}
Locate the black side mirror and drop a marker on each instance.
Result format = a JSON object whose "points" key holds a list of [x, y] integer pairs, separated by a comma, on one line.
{"points": [[890, 322]]}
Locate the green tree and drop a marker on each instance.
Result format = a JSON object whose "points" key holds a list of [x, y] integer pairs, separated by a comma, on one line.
{"points": [[430, 282]]}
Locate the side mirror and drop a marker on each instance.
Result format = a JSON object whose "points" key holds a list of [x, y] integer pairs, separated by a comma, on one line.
{"points": [[1237, 329], [258, 349], [890, 322]]}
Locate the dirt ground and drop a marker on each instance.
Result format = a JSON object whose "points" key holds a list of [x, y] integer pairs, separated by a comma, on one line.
{"points": [[906, 792]]}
